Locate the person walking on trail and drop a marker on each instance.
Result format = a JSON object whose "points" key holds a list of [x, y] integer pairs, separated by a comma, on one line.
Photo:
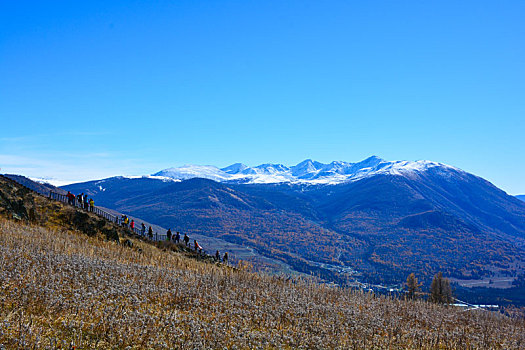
{"points": [[217, 256], [79, 199], [197, 246], [186, 240], [177, 237], [132, 225], [225, 258], [126, 221], [150, 233], [143, 230], [168, 235], [91, 205], [86, 204], [70, 198]]}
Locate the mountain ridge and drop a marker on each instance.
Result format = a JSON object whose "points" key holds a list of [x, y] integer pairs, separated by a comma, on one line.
{"points": [[306, 172]]}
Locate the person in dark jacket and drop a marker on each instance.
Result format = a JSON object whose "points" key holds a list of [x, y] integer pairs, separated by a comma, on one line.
{"points": [[225, 258], [150, 233], [168, 235], [217, 256], [70, 198], [143, 230], [177, 237], [186, 240]]}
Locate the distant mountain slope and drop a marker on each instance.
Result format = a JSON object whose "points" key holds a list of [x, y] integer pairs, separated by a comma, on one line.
{"points": [[421, 218], [474, 201], [521, 197], [427, 223], [40, 187]]}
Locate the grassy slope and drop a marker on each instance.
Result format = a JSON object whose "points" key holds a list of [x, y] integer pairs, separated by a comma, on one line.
{"points": [[59, 287]]}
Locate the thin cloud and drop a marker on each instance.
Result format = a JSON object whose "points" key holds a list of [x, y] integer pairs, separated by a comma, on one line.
{"points": [[32, 137], [85, 133], [61, 167]]}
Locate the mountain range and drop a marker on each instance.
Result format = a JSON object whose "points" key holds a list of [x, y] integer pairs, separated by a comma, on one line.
{"points": [[374, 221], [306, 172]]}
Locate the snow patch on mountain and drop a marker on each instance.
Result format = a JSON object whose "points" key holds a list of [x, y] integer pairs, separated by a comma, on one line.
{"points": [[154, 177], [307, 172], [51, 181], [191, 171], [235, 168]]}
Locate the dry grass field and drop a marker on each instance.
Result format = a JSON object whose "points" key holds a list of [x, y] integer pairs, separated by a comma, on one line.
{"points": [[60, 289]]}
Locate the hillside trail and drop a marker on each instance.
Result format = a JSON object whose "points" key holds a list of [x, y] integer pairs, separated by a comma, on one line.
{"points": [[109, 215]]}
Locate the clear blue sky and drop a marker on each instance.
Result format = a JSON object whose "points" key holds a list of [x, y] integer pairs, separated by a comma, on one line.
{"points": [[98, 88]]}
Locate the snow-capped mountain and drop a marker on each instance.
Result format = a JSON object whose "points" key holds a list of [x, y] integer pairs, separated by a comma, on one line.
{"points": [[307, 172]]}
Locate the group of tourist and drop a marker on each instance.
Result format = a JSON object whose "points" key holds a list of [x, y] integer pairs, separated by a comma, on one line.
{"points": [[173, 237], [86, 203], [176, 238], [143, 229], [218, 257], [81, 201]]}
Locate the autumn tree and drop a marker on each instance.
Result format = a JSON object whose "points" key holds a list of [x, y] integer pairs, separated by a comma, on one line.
{"points": [[412, 286], [440, 291]]}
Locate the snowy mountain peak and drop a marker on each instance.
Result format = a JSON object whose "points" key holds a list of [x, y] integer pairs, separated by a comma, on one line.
{"points": [[271, 168], [372, 161], [235, 168], [307, 171], [191, 171], [309, 165]]}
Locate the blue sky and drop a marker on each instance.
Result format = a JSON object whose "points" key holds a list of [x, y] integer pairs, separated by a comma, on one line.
{"points": [[100, 88]]}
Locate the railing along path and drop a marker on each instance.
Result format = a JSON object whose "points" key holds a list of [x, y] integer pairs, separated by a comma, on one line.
{"points": [[105, 214], [96, 210]]}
